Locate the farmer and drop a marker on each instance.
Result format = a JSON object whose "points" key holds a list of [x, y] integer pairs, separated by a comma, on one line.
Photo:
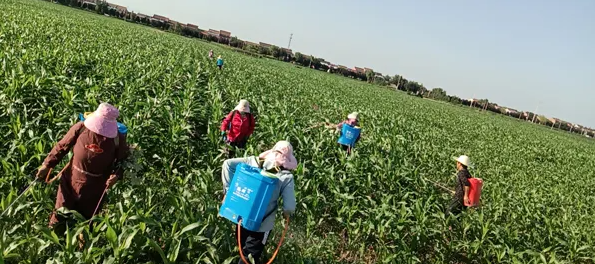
{"points": [[237, 127], [210, 54], [279, 161], [220, 62], [461, 195], [98, 151], [352, 122]]}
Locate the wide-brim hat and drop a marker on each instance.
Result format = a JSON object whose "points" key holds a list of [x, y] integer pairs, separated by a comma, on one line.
{"points": [[243, 106], [353, 116], [465, 160], [281, 155], [103, 121]]}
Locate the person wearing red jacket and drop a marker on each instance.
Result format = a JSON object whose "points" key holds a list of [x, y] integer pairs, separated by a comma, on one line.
{"points": [[237, 127]]}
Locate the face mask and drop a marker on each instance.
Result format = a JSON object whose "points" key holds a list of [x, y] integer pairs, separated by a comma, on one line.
{"points": [[269, 162]]}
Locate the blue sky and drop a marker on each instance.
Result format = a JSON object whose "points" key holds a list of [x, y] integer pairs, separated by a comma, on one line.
{"points": [[519, 54]]}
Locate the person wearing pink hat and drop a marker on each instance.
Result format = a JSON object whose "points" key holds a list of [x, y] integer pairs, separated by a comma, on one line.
{"points": [[279, 161], [98, 151]]}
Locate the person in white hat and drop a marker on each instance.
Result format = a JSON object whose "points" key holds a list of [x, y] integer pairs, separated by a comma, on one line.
{"points": [[237, 127], [352, 121], [462, 186]]}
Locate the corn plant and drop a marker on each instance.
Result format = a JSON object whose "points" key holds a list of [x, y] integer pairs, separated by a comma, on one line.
{"points": [[372, 206]]}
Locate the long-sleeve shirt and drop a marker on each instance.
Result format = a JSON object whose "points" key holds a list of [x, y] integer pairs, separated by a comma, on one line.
{"points": [[94, 159], [284, 189], [93, 154], [462, 181], [238, 128]]}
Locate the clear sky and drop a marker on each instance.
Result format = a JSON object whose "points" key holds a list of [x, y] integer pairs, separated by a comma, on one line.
{"points": [[517, 53]]}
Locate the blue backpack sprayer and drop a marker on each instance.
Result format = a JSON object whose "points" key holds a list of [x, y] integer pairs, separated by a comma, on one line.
{"points": [[247, 199], [349, 135]]}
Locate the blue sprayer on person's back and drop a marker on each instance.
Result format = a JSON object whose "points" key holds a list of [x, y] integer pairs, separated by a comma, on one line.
{"points": [[349, 135], [248, 197]]}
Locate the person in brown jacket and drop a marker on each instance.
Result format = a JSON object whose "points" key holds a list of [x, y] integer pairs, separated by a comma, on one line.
{"points": [[98, 152]]}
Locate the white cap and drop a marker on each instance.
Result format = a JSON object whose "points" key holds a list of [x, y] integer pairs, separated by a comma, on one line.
{"points": [[353, 115]]}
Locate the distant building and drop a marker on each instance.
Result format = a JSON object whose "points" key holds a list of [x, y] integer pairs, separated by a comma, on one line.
{"points": [[288, 51], [213, 32], [120, 9], [511, 111], [250, 43], [160, 18], [224, 36], [264, 45], [89, 4], [192, 26]]}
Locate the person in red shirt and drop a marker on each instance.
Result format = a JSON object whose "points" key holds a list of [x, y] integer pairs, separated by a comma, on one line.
{"points": [[237, 127]]}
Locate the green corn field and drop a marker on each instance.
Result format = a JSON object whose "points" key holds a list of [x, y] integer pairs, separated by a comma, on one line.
{"points": [[538, 201]]}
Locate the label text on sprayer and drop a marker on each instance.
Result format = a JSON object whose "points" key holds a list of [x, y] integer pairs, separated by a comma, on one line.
{"points": [[242, 192], [349, 135]]}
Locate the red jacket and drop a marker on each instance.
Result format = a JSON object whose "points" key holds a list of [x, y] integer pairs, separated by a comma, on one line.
{"points": [[241, 127]]}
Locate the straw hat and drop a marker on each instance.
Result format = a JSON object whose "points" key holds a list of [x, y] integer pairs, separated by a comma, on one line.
{"points": [[353, 116], [243, 106], [103, 121], [464, 159]]}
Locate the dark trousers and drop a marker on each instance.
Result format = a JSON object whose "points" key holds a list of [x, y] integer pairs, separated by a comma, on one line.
{"points": [[455, 207], [232, 146], [346, 148], [220, 67], [252, 244]]}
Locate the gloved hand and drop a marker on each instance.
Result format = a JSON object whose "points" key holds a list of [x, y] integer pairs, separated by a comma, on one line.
{"points": [[42, 172], [223, 133]]}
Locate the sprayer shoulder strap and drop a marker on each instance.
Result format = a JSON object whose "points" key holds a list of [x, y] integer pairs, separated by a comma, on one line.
{"points": [[233, 113], [250, 116]]}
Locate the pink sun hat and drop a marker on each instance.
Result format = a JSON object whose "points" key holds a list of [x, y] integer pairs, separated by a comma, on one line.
{"points": [[281, 155], [103, 121]]}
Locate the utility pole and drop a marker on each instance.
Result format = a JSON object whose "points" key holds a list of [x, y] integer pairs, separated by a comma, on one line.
{"points": [[535, 113], [290, 37]]}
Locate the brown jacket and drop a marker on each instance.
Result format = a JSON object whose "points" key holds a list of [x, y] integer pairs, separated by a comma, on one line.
{"points": [[94, 159]]}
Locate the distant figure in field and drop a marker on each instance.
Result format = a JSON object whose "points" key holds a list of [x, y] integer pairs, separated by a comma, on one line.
{"points": [[350, 132], [461, 197], [237, 127], [210, 54], [220, 62]]}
